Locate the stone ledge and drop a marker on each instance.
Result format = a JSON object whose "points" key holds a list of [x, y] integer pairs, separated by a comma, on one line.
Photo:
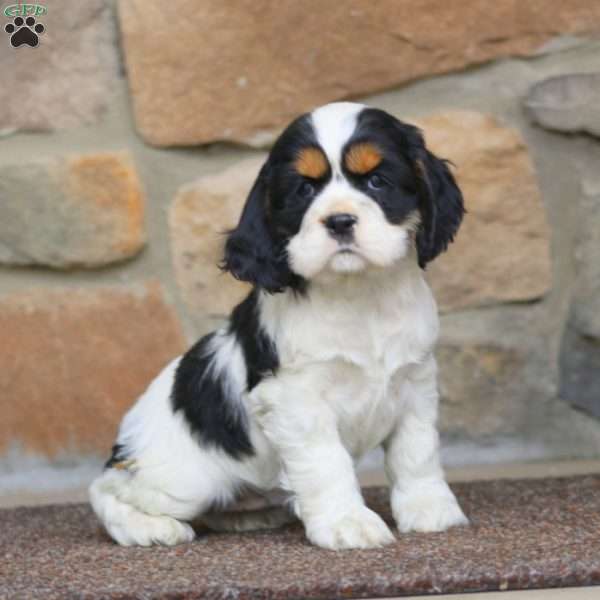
{"points": [[525, 534]]}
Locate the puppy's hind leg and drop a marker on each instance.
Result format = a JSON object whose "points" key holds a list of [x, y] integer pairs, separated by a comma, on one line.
{"points": [[252, 520], [251, 512], [117, 501]]}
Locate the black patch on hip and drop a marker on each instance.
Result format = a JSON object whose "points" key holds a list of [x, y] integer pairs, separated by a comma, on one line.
{"points": [[218, 419]]}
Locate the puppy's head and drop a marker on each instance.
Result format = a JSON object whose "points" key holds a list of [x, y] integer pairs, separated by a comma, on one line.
{"points": [[345, 188]]}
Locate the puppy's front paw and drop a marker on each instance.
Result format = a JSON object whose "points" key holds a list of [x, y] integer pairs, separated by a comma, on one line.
{"points": [[360, 528], [427, 509]]}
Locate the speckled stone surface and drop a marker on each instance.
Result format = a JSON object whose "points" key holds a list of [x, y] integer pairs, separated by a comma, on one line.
{"points": [[524, 534]]}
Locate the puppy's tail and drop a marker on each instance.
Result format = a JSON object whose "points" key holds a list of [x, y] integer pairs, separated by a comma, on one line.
{"points": [[126, 523]]}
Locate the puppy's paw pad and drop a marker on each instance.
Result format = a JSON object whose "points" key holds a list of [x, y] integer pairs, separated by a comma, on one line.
{"points": [[362, 528], [428, 512]]}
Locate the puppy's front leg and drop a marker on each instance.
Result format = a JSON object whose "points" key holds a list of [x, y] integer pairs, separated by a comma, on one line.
{"points": [[318, 469], [421, 499]]}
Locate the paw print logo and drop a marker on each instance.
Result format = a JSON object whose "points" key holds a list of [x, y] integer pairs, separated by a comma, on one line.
{"points": [[24, 31]]}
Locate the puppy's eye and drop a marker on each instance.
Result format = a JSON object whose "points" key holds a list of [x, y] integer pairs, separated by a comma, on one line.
{"points": [[307, 190], [376, 182]]}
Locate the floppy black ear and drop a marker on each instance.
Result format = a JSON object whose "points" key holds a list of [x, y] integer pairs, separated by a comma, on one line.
{"points": [[251, 252], [440, 203]]}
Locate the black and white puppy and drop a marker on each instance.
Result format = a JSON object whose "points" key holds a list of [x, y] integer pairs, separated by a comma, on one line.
{"points": [[329, 356]]}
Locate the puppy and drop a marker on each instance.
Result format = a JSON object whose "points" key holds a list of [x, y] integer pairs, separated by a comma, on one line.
{"points": [[329, 356]]}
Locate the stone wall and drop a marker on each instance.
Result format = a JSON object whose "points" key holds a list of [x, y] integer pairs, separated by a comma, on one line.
{"points": [[130, 136]]}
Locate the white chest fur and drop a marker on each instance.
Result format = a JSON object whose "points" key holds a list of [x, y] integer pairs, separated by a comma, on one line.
{"points": [[358, 337], [379, 322]]}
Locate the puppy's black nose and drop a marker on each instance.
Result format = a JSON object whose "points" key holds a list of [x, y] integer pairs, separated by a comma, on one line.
{"points": [[340, 224]]}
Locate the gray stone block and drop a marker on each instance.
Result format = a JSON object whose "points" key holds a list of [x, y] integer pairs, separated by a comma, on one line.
{"points": [[586, 295], [580, 371], [580, 349], [569, 103]]}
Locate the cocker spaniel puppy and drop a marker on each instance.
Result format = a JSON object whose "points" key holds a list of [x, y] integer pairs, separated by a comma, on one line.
{"points": [[329, 356]]}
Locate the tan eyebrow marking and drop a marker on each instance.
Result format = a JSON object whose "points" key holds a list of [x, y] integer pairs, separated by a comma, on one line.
{"points": [[362, 157], [311, 162]]}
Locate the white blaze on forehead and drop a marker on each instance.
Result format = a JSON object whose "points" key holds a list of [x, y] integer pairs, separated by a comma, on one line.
{"points": [[334, 124]]}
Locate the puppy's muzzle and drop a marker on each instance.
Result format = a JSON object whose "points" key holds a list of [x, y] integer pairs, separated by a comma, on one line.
{"points": [[340, 226]]}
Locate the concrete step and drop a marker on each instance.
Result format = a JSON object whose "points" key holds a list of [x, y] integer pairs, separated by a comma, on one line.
{"points": [[525, 534]]}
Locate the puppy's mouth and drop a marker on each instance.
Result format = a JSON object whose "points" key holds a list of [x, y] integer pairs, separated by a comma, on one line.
{"points": [[347, 249], [347, 259]]}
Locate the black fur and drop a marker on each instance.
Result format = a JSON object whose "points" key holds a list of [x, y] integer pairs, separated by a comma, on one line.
{"points": [[217, 420], [399, 196], [260, 354], [442, 208], [286, 202], [253, 252], [117, 456], [255, 249], [419, 179], [203, 400]]}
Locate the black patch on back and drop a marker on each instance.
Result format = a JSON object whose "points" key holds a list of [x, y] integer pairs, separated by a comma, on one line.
{"points": [[216, 419], [204, 402], [118, 455]]}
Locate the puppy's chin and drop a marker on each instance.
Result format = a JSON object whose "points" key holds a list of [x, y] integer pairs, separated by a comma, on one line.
{"points": [[347, 262], [314, 260]]}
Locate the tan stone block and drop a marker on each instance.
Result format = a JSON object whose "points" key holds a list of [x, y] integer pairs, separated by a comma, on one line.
{"points": [[110, 184], [73, 361], [199, 217], [71, 211], [502, 251], [233, 70]]}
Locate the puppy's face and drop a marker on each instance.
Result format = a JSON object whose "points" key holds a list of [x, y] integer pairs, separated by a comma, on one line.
{"points": [[352, 192], [345, 188]]}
